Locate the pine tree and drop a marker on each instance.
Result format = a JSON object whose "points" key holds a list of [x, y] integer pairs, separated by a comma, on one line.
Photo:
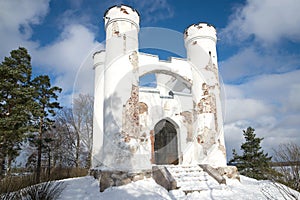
{"points": [[46, 105], [26, 106], [253, 162], [15, 104]]}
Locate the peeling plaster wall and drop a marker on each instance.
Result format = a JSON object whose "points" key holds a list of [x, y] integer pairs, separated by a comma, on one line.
{"points": [[120, 90], [187, 94], [200, 42], [122, 27], [124, 145], [161, 108], [135, 113]]}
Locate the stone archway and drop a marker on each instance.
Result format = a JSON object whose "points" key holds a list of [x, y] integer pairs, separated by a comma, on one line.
{"points": [[165, 143]]}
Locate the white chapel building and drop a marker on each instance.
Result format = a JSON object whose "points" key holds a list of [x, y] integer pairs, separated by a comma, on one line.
{"points": [[177, 121]]}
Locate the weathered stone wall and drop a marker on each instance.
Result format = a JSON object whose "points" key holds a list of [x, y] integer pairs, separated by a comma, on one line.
{"points": [[162, 176], [109, 178], [117, 178], [229, 172]]}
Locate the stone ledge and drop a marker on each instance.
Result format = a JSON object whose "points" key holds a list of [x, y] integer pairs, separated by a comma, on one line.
{"points": [[221, 173], [229, 172], [213, 173], [162, 176], [108, 178]]}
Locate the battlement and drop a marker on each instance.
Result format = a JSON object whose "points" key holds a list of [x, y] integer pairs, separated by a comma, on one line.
{"points": [[171, 60], [121, 13], [199, 31]]}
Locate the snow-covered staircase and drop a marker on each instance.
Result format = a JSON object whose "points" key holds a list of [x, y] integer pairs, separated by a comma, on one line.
{"points": [[192, 178], [189, 178]]}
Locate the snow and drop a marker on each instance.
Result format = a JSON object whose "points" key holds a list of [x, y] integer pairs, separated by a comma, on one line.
{"points": [[86, 188], [192, 177], [80, 188]]}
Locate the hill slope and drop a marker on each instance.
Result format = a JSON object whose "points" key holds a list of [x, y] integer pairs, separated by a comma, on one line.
{"points": [[86, 188]]}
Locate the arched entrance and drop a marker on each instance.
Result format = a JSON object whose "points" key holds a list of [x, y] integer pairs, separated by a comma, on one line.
{"points": [[165, 143]]}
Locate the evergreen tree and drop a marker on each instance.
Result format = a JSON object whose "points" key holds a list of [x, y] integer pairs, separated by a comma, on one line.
{"points": [[15, 104], [26, 106], [253, 162], [46, 105]]}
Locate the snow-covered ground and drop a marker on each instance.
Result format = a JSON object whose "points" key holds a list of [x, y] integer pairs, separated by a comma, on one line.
{"points": [[86, 188]]}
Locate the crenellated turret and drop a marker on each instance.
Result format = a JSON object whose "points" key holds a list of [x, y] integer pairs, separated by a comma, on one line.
{"points": [[122, 27], [200, 43]]}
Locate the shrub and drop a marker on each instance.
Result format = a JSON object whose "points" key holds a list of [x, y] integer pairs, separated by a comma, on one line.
{"points": [[47, 191]]}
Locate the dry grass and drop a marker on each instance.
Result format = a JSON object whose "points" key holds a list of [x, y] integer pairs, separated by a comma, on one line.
{"points": [[11, 187]]}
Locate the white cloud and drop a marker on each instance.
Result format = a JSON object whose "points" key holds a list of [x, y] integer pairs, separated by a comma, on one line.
{"points": [[243, 109], [265, 95], [270, 104], [70, 59], [16, 18], [24, 13], [281, 90], [293, 100], [242, 64], [267, 20], [250, 62], [63, 58], [232, 92], [67, 53]]}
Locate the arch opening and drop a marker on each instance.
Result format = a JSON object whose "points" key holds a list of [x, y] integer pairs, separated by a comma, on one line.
{"points": [[165, 143]]}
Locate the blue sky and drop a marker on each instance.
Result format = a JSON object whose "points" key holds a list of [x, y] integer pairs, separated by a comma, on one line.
{"points": [[258, 51]]}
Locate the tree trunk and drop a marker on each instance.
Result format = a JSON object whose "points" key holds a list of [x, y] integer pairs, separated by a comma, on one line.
{"points": [[88, 160], [49, 162], [77, 149], [39, 160], [8, 169], [2, 165]]}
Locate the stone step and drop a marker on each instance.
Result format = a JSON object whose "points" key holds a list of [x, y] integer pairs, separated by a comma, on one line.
{"points": [[192, 178]]}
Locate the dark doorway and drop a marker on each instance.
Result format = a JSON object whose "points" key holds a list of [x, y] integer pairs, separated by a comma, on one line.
{"points": [[165, 143]]}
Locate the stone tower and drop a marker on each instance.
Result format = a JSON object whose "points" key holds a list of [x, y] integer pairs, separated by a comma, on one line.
{"points": [[200, 42]]}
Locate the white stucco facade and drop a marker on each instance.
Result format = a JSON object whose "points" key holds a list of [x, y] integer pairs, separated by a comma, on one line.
{"points": [[177, 121]]}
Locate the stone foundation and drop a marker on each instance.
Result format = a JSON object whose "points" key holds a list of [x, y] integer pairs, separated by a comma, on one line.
{"points": [[159, 173], [229, 171], [221, 173], [162, 176], [109, 178]]}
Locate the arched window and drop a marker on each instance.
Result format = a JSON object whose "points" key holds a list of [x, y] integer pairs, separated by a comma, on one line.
{"points": [[148, 80]]}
